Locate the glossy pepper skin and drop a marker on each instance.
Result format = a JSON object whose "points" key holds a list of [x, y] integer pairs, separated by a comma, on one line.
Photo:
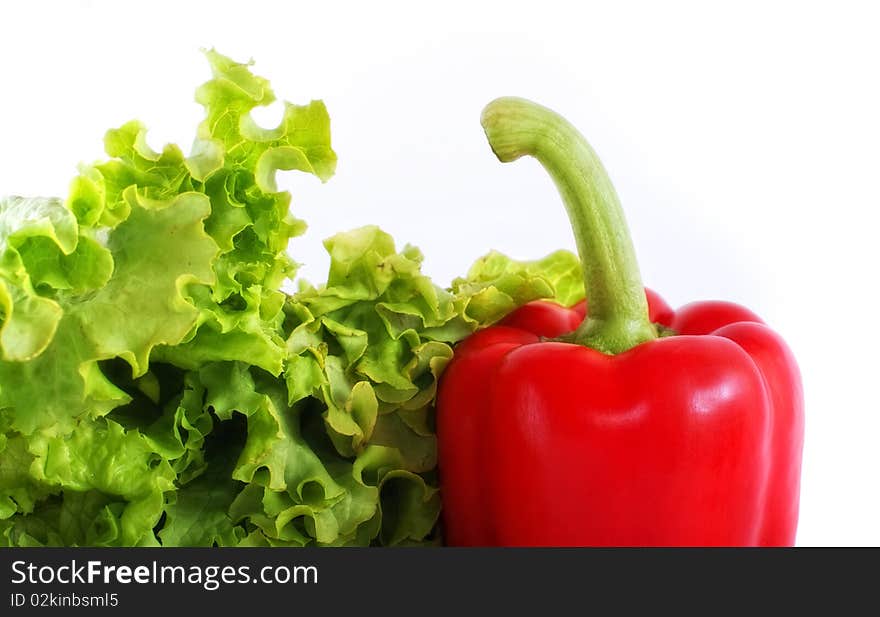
{"points": [[555, 433], [687, 440]]}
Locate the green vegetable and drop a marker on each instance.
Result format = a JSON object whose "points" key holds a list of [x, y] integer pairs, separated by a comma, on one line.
{"points": [[158, 388]]}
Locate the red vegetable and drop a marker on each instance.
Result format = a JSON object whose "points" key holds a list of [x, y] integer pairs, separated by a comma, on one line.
{"points": [[629, 425]]}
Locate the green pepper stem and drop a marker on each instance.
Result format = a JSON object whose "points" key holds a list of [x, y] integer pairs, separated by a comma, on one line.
{"points": [[617, 318]]}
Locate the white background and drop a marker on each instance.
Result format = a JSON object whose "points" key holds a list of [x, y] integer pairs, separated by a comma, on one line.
{"points": [[743, 142]]}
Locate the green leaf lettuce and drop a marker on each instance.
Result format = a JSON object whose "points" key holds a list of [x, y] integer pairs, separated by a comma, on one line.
{"points": [[158, 388]]}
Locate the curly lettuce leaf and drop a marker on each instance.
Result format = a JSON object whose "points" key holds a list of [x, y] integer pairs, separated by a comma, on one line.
{"points": [[157, 250], [152, 258], [110, 487], [38, 256], [365, 352], [497, 284]]}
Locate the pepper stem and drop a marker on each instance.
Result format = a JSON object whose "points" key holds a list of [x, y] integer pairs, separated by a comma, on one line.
{"points": [[617, 318]]}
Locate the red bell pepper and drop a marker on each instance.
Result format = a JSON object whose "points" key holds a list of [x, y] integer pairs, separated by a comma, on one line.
{"points": [[628, 424]]}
